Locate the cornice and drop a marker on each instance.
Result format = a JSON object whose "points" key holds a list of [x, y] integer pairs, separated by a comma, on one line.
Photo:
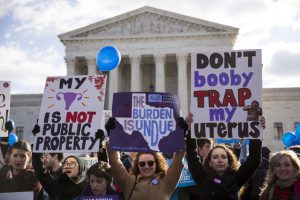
{"points": [[21, 100], [137, 38], [281, 94]]}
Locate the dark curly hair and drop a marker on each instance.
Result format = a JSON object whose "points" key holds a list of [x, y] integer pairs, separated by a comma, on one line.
{"points": [[233, 163], [161, 164], [100, 170]]}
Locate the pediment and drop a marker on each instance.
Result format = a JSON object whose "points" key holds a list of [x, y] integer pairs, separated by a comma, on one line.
{"points": [[148, 21]]}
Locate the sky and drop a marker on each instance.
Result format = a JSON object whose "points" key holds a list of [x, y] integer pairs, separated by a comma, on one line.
{"points": [[30, 49]]}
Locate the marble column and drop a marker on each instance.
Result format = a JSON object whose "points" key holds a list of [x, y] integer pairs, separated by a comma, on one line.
{"points": [[91, 66], [160, 72], [113, 85], [182, 61], [70, 62], [135, 61]]}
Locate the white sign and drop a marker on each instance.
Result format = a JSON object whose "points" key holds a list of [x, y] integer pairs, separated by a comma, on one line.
{"points": [[17, 195], [71, 114], [4, 106], [226, 94], [88, 161]]}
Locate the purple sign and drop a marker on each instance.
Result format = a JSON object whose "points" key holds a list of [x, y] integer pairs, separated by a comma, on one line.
{"points": [[100, 197], [146, 122]]}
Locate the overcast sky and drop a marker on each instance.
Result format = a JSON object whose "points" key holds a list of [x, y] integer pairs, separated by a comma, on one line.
{"points": [[30, 49]]}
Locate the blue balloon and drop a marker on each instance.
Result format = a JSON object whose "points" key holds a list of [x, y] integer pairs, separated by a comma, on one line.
{"points": [[295, 142], [298, 131], [12, 139], [108, 58], [289, 139]]}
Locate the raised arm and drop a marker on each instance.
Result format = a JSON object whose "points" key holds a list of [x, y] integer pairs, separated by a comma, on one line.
{"points": [[194, 164], [174, 171], [119, 172], [248, 168]]}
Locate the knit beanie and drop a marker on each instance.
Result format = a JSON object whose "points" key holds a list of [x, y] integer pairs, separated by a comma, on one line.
{"points": [[80, 162]]}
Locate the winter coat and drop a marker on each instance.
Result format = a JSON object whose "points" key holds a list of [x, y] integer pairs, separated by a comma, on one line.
{"points": [[290, 193], [227, 186], [62, 188], [252, 190], [157, 187], [26, 180]]}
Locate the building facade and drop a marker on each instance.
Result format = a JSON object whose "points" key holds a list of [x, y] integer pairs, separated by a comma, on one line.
{"points": [[155, 46]]}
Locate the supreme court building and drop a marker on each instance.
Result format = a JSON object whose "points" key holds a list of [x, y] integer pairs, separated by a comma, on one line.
{"points": [[155, 46]]}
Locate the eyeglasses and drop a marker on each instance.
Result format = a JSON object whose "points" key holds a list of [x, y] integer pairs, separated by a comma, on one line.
{"points": [[70, 165], [150, 163]]}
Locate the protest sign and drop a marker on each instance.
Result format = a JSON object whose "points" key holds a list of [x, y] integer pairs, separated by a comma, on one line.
{"points": [[2, 163], [186, 179], [226, 94], [88, 161], [4, 106], [100, 197], [17, 195], [70, 114], [146, 122]]}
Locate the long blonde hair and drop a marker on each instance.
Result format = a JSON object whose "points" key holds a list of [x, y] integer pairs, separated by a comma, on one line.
{"points": [[271, 177], [278, 156]]}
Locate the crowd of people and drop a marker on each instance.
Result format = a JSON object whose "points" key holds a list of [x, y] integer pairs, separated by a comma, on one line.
{"points": [[215, 168]]}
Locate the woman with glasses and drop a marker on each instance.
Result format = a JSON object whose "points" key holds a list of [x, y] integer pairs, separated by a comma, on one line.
{"points": [[149, 178], [68, 185], [17, 177]]}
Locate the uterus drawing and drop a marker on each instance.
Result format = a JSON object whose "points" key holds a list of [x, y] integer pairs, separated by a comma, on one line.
{"points": [[69, 98]]}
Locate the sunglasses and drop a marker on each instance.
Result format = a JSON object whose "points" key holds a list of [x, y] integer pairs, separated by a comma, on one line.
{"points": [[150, 163]]}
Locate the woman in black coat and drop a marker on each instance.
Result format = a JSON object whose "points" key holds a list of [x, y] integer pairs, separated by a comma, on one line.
{"points": [[221, 177], [68, 185]]}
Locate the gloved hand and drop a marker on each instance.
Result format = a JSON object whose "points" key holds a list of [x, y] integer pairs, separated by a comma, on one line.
{"points": [[36, 129], [110, 125], [182, 124], [9, 125], [100, 135]]}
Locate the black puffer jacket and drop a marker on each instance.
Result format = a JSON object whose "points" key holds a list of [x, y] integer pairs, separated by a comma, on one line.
{"points": [[26, 180], [226, 187], [62, 188]]}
